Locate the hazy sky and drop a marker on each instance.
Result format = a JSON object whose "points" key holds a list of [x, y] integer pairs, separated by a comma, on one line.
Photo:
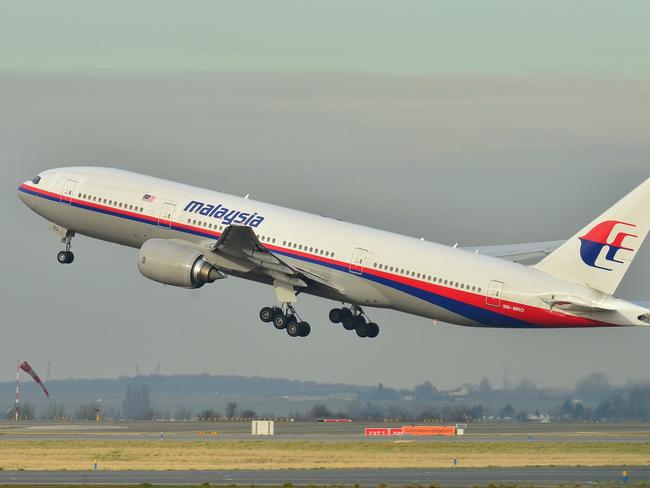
{"points": [[470, 122]]}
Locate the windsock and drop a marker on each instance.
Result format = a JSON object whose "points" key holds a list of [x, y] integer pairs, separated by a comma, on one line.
{"points": [[28, 369]]}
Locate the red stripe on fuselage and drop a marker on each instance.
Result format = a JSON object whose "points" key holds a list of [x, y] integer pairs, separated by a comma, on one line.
{"points": [[530, 314]]}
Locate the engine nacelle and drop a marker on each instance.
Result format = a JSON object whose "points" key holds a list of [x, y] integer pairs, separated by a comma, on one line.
{"points": [[175, 263]]}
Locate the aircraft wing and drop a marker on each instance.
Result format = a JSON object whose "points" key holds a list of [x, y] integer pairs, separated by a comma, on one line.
{"points": [[239, 245], [527, 253]]}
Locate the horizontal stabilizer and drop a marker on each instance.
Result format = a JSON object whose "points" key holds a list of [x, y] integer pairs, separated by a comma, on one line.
{"points": [[573, 303]]}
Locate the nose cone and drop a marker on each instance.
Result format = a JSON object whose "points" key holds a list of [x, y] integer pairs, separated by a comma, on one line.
{"points": [[23, 194]]}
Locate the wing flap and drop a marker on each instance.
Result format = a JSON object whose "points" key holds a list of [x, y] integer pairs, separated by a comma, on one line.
{"points": [[241, 244]]}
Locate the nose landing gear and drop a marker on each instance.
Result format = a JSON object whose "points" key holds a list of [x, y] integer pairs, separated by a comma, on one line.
{"points": [[66, 257]]}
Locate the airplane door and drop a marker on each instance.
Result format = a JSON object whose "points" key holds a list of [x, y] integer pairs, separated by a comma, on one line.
{"points": [[494, 293], [166, 215], [358, 260], [68, 191]]}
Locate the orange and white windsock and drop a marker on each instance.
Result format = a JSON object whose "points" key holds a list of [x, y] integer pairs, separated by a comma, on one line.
{"points": [[28, 369]]}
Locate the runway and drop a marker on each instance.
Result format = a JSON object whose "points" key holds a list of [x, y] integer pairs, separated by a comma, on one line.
{"points": [[318, 431], [370, 477]]}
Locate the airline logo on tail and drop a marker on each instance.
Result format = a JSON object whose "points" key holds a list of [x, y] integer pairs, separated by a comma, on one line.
{"points": [[593, 242]]}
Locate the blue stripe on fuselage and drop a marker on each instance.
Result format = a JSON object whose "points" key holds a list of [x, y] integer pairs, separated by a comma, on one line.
{"points": [[483, 316]]}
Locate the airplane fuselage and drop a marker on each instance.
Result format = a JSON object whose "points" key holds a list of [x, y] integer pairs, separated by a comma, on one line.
{"points": [[364, 266]]}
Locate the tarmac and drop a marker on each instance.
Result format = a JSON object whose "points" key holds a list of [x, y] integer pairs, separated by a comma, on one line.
{"points": [[330, 432], [366, 477], [320, 431]]}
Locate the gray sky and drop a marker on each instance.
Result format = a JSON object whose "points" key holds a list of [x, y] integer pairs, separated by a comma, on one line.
{"points": [[523, 148]]}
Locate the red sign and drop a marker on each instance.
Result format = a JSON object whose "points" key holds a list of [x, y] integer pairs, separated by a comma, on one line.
{"points": [[382, 431]]}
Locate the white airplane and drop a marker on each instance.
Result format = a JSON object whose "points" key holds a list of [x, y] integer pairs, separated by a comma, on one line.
{"points": [[189, 236]]}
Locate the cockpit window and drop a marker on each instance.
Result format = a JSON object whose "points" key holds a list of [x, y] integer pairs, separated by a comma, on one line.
{"points": [[36, 180]]}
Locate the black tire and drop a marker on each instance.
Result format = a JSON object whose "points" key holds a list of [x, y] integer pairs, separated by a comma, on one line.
{"points": [[293, 329], [362, 329], [336, 315], [348, 322], [291, 318], [373, 330], [304, 329], [266, 314], [65, 257], [279, 321]]}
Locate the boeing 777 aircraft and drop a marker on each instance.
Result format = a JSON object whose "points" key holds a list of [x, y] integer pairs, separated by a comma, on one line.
{"points": [[189, 236]]}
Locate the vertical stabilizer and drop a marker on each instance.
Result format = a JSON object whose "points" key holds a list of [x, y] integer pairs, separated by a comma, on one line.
{"points": [[599, 255]]}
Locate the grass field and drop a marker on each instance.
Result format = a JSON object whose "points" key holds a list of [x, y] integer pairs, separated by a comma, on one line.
{"points": [[125, 455]]}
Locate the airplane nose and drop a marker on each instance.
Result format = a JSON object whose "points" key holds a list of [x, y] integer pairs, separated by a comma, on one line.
{"points": [[24, 197]]}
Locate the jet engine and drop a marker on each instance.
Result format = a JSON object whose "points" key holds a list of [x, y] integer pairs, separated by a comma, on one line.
{"points": [[176, 263]]}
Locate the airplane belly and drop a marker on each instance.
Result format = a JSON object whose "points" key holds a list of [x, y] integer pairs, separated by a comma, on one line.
{"points": [[94, 224]]}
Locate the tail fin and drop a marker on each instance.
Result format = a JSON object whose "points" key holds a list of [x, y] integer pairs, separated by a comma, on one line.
{"points": [[599, 255]]}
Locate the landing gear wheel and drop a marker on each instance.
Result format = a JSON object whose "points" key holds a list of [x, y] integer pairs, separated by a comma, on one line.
{"points": [[362, 329], [349, 322], [266, 314], [293, 329], [336, 315], [279, 321], [65, 257], [304, 329], [291, 318], [373, 330]]}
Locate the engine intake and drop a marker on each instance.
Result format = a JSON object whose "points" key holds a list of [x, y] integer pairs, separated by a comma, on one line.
{"points": [[176, 263]]}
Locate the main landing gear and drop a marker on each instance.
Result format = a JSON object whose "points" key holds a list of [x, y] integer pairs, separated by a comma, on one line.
{"points": [[354, 319], [66, 257], [285, 317]]}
